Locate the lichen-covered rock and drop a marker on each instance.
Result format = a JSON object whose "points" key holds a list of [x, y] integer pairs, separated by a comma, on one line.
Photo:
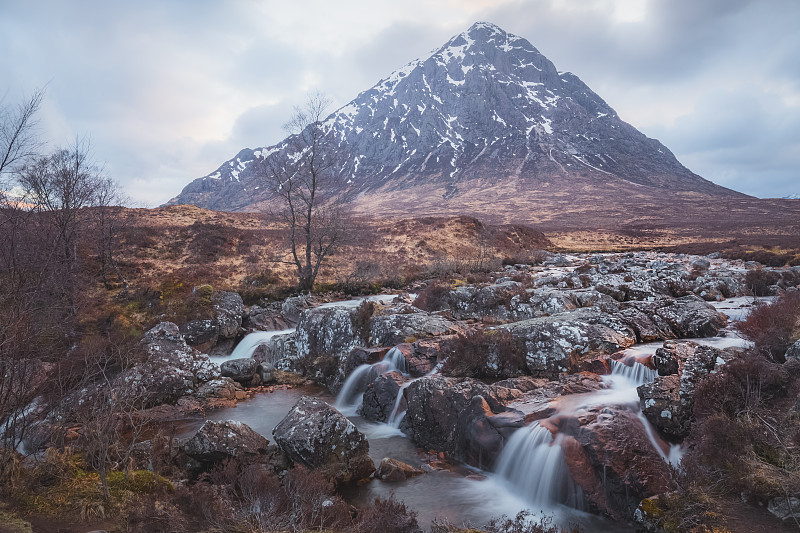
{"points": [[157, 383], [690, 316], [165, 346], [241, 370], [558, 343], [793, 353], [280, 352], [394, 470], [328, 331], [200, 334], [217, 441], [269, 318], [228, 313], [319, 437], [785, 508], [222, 388], [392, 329]]}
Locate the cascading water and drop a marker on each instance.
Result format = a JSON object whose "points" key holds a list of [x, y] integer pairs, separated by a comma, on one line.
{"points": [[350, 398], [248, 345], [397, 416], [533, 463], [636, 372]]}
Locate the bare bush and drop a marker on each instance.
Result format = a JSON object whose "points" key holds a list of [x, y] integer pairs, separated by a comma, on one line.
{"points": [[433, 297], [387, 515], [484, 354], [773, 327]]}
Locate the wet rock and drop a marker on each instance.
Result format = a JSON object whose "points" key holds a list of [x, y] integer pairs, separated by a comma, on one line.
{"points": [[381, 395], [157, 383], [319, 437], [648, 326], [660, 402], [442, 412], [327, 330], [241, 370], [394, 470], [610, 457], [279, 351], [348, 363], [217, 441], [266, 372]]}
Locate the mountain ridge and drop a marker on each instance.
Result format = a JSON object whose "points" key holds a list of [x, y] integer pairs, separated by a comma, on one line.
{"points": [[486, 109]]}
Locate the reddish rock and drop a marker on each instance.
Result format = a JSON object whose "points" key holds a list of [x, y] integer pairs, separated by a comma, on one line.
{"points": [[394, 470]]}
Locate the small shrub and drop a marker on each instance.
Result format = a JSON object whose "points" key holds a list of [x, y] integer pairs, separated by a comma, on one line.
{"points": [[772, 328], [482, 353], [361, 320], [387, 515], [433, 297], [759, 281], [525, 522]]}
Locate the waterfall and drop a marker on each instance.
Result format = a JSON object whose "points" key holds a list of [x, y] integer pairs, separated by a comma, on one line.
{"points": [[350, 398], [533, 463], [247, 346], [636, 372], [397, 416]]}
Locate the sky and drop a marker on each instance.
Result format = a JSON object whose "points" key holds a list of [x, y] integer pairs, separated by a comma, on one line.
{"points": [[166, 91]]}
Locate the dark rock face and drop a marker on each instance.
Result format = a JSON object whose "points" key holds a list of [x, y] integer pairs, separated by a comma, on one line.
{"points": [[318, 436], [443, 413], [380, 396], [536, 124], [225, 325], [241, 370], [217, 441]]}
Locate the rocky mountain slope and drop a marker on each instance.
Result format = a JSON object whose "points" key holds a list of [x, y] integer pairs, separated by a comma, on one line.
{"points": [[485, 125]]}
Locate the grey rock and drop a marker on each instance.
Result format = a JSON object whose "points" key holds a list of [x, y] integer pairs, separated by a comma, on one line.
{"points": [[785, 508], [228, 313], [165, 346], [380, 397], [241, 370], [217, 441], [794, 351], [319, 437]]}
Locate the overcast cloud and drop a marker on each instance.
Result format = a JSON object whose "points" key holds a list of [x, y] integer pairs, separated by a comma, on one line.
{"points": [[167, 91]]}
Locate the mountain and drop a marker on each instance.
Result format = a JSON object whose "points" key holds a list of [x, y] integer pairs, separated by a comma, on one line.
{"points": [[485, 125]]}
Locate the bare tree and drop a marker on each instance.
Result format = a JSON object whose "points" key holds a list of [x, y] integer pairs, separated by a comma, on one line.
{"points": [[18, 139], [304, 181]]}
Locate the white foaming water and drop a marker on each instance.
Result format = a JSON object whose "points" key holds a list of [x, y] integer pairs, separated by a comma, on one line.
{"points": [[636, 372], [350, 398], [533, 463], [247, 346]]}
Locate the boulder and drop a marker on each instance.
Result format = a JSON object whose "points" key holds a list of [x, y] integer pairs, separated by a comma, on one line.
{"points": [[266, 372], [216, 441], [690, 316], [381, 396], [785, 508], [489, 300], [200, 334], [319, 437], [349, 362], [222, 388], [157, 383], [327, 331], [700, 264], [165, 346], [394, 470], [241, 370], [228, 313], [442, 414]]}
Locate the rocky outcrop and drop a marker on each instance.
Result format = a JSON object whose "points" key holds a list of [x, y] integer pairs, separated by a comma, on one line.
{"points": [[165, 345], [610, 457], [395, 328], [793, 353], [319, 437], [560, 342], [217, 441], [224, 327], [668, 401]]}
